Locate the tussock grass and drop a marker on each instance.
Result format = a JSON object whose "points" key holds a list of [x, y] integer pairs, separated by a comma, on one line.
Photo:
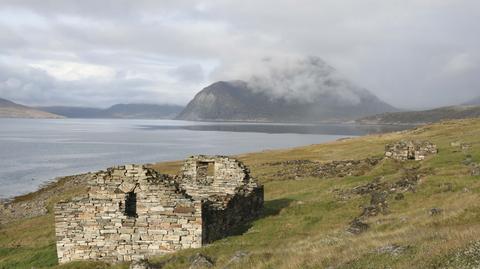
{"points": [[304, 221]]}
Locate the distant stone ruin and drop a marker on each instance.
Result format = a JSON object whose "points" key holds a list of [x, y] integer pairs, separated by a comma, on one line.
{"points": [[410, 150], [132, 212]]}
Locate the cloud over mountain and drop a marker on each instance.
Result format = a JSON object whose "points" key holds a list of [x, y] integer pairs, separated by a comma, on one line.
{"points": [[303, 80], [410, 53]]}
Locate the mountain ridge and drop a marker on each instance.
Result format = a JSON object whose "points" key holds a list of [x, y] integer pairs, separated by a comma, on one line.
{"points": [[238, 101], [9, 109], [423, 116], [118, 111]]}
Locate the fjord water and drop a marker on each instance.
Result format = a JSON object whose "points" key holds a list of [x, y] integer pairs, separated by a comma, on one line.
{"points": [[34, 151]]}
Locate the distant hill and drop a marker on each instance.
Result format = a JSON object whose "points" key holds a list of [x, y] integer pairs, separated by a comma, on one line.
{"points": [[238, 101], [121, 111], [473, 102], [74, 112], [144, 111], [9, 109], [423, 117]]}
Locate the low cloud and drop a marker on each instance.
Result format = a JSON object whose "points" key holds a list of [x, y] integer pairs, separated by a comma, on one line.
{"points": [[34, 86], [303, 80], [189, 73]]}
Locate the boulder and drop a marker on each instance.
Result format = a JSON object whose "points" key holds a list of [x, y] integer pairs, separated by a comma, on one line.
{"points": [[200, 261], [357, 226], [435, 211]]}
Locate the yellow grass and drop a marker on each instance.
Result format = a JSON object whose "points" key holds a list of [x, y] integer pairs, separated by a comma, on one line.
{"points": [[305, 220]]}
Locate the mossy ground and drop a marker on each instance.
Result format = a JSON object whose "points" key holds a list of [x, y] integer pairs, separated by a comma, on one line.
{"points": [[304, 221]]}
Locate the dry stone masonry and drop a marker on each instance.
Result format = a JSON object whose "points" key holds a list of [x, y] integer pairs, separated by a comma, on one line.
{"points": [[410, 150], [132, 212]]}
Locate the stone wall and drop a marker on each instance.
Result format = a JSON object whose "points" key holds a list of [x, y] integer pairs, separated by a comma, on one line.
{"points": [[132, 212], [228, 176], [232, 196], [164, 219], [410, 150]]}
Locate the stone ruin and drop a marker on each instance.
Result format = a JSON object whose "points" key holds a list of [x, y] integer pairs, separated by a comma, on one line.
{"points": [[410, 150], [132, 212]]}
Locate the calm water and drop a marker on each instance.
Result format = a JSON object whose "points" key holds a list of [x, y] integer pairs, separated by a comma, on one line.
{"points": [[33, 152]]}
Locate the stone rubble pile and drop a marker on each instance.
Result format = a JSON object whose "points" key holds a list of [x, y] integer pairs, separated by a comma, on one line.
{"points": [[294, 169]]}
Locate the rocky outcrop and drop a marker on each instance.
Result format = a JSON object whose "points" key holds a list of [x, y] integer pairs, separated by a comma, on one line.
{"points": [[36, 204], [379, 192]]}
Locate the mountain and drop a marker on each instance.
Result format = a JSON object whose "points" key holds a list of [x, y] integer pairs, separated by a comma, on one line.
{"points": [[74, 112], [9, 109], [121, 111], [144, 111], [423, 117], [239, 101]]}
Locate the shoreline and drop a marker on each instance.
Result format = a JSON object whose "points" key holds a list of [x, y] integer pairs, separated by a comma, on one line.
{"points": [[52, 181]]}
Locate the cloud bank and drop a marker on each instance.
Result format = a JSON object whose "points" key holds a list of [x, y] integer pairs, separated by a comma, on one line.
{"points": [[410, 53]]}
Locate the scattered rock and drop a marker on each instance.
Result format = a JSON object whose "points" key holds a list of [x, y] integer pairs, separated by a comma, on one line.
{"points": [[468, 160], [409, 180], [200, 261], [236, 258], [475, 170], [370, 187], [468, 257], [392, 249], [455, 144], [435, 211], [465, 146], [378, 204], [399, 196], [296, 169], [141, 264], [357, 226]]}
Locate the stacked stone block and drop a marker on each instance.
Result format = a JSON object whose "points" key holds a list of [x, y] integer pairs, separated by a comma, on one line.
{"points": [[132, 212], [97, 226], [410, 150], [232, 196]]}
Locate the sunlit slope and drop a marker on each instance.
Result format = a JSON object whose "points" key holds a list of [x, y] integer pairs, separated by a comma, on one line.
{"points": [[434, 223]]}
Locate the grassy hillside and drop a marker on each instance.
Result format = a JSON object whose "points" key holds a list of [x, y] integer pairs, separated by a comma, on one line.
{"points": [[429, 218], [9, 109], [425, 116]]}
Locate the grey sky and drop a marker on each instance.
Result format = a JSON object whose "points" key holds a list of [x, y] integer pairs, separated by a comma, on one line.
{"points": [[411, 53]]}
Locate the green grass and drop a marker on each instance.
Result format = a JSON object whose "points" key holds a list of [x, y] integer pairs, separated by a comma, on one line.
{"points": [[304, 221]]}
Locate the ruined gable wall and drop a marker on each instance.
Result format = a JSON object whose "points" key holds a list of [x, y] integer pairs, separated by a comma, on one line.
{"points": [[96, 227], [410, 150], [229, 176], [232, 197]]}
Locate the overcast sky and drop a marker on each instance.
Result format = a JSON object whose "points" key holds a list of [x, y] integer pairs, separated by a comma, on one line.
{"points": [[410, 53]]}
